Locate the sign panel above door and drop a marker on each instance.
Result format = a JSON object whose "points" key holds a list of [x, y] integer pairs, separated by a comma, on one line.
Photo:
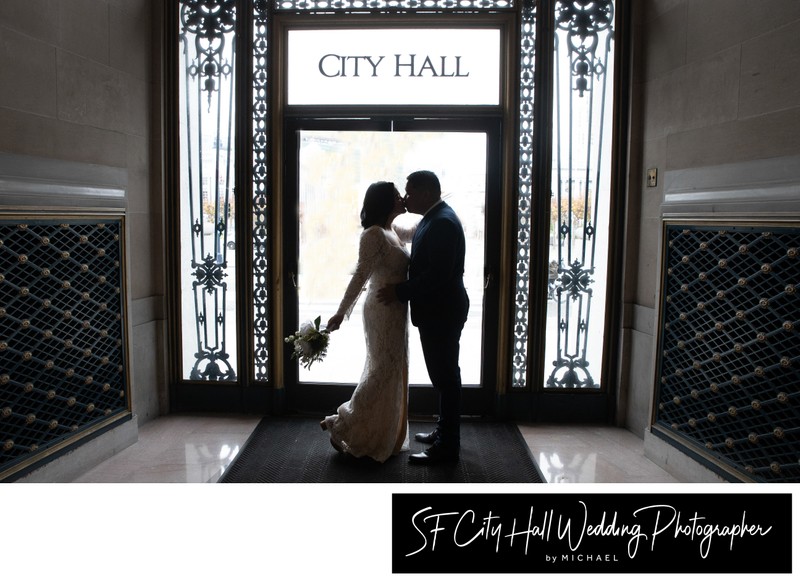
{"points": [[394, 66]]}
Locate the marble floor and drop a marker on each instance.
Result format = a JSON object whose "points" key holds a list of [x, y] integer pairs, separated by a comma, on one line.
{"points": [[198, 449]]}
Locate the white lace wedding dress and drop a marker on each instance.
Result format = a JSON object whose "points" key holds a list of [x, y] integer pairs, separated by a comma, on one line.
{"points": [[374, 422]]}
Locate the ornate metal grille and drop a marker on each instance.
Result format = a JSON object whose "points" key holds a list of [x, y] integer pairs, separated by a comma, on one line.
{"points": [[729, 361], [579, 231], [261, 302], [207, 35], [62, 364], [527, 58], [385, 5]]}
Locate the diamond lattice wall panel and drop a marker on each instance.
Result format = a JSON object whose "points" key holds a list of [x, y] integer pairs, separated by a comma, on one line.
{"points": [[62, 363], [729, 347]]}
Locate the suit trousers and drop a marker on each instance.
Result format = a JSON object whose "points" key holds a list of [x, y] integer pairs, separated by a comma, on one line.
{"points": [[440, 347]]}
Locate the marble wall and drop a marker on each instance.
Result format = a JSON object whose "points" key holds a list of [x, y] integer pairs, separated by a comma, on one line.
{"points": [[79, 82], [715, 92]]}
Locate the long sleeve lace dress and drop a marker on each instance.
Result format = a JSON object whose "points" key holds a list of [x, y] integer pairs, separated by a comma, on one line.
{"points": [[374, 422]]}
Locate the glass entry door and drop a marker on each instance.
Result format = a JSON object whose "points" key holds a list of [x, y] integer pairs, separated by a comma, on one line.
{"points": [[334, 168]]}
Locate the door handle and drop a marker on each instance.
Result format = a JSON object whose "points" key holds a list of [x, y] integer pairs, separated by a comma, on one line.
{"points": [[294, 279]]}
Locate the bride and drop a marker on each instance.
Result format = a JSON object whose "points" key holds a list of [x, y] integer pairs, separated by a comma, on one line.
{"points": [[374, 422]]}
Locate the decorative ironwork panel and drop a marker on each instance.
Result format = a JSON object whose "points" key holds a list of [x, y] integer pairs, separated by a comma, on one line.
{"points": [[729, 361], [207, 186], [389, 5], [527, 58], [581, 191], [62, 364], [261, 186]]}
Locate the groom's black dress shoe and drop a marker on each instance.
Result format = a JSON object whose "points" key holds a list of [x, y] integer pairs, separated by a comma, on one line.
{"points": [[427, 437], [434, 455]]}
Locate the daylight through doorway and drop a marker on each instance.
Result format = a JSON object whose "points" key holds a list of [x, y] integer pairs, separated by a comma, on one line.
{"points": [[335, 169]]}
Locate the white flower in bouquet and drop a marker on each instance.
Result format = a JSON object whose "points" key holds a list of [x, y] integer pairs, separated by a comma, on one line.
{"points": [[310, 343]]}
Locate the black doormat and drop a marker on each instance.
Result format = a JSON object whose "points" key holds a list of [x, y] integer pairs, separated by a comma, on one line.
{"points": [[283, 449]]}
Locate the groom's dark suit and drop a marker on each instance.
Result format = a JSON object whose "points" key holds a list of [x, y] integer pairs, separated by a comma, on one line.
{"points": [[439, 305]]}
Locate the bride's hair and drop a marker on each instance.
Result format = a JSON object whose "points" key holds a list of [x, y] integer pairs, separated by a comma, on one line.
{"points": [[378, 204]]}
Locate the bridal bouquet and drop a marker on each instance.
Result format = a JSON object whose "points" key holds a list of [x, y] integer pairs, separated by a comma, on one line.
{"points": [[310, 343]]}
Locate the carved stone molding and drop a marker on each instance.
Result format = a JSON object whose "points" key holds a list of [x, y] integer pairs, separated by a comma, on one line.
{"points": [[42, 183]]}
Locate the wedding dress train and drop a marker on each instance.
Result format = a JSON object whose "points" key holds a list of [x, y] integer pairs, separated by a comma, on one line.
{"points": [[374, 422]]}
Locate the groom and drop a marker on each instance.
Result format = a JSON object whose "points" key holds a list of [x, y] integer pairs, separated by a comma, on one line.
{"points": [[439, 305]]}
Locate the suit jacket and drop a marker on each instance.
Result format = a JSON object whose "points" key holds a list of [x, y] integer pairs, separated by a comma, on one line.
{"points": [[435, 286]]}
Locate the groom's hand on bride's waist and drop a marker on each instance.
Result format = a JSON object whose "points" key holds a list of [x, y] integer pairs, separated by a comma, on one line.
{"points": [[387, 294]]}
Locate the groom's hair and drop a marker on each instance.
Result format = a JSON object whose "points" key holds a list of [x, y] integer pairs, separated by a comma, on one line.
{"points": [[426, 180]]}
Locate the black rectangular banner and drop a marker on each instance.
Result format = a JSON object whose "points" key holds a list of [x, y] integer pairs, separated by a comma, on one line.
{"points": [[592, 533]]}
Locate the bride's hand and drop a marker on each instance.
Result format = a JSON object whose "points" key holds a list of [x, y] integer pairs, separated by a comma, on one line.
{"points": [[335, 322]]}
